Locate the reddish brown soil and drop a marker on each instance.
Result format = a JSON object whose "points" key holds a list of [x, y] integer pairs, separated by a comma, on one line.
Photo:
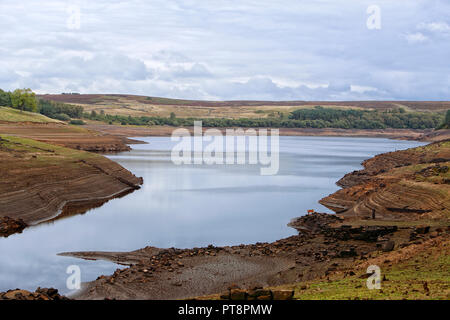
{"points": [[68, 136], [38, 183], [411, 184], [165, 131]]}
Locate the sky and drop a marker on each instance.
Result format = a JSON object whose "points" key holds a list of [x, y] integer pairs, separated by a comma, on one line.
{"points": [[229, 49]]}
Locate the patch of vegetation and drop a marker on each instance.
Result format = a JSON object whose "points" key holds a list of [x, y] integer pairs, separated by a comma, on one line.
{"points": [[14, 115], [77, 122], [59, 110], [425, 276], [446, 123], [25, 100], [318, 117], [48, 153]]}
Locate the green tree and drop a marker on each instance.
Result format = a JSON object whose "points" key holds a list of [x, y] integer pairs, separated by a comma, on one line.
{"points": [[172, 116], [5, 99], [447, 119], [24, 99]]}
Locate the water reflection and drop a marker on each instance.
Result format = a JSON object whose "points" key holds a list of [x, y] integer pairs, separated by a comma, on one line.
{"points": [[187, 206]]}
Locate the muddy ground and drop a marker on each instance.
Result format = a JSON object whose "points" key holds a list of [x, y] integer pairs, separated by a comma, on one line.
{"points": [[166, 131], [322, 247]]}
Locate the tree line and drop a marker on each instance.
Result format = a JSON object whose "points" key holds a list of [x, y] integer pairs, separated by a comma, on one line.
{"points": [[26, 100], [316, 117]]}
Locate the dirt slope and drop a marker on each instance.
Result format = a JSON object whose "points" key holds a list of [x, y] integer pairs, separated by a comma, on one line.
{"points": [[411, 184], [66, 135], [39, 179]]}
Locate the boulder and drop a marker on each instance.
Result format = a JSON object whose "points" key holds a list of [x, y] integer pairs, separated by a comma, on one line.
{"points": [[388, 246], [282, 294], [238, 294]]}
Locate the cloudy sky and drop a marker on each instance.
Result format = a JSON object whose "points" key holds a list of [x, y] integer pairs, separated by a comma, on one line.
{"points": [[229, 49]]}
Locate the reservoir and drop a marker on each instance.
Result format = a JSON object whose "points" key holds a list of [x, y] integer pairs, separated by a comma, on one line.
{"points": [[187, 206]]}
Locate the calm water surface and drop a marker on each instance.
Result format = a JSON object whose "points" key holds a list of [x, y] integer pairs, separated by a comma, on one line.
{"points": [[188, 206]]}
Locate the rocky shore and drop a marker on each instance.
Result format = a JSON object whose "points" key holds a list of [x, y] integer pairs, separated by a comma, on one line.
{"points": [[324, 245], [39, 294], [412, 184]]}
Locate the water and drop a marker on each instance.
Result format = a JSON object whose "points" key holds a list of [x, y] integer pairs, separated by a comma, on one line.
{"points": [[187, 206]]}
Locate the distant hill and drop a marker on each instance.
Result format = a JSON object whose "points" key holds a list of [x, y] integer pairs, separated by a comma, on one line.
{"points": [[134, 105]]}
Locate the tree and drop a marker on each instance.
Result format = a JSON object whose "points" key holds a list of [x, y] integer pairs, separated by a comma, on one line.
{"points": [[24, 99], [5, 99], [447, 119], [172, 116]]}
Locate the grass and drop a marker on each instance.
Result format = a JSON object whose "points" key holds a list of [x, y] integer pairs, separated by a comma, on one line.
{"points": [[405, 280], [14, 115], [44, 153]]}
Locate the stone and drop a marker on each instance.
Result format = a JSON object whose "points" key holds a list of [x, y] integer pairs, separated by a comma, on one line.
{"points": [[225, 295], [348, 253], [238, 294], [39, 294], [255, 293], [388, 246], [422, 229], [282, 294], [16, 294]]}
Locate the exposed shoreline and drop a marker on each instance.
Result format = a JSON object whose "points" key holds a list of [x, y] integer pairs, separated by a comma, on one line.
{"points": [[324, 245], [166, 131], [41, 182]]}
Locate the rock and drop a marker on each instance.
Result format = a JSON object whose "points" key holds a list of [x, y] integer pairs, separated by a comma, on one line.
{"points": [[282, 294], [225, 295], [388, 246], [434, 234], [39, 294], [8, 226], [259, 292], [238, 294], [422, 229], [16, 294], [348, 253]]}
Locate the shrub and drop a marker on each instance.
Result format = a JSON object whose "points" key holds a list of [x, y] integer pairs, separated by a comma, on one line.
{"points": [[61, 116], [77, 122]]}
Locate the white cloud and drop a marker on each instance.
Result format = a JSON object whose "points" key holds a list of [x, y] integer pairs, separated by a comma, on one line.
{"points": [[416, 37], [233, 49], [440, 27]]}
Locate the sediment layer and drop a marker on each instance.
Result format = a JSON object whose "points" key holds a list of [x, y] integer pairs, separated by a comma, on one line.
{"points": [[410, 184], [39, 180]]}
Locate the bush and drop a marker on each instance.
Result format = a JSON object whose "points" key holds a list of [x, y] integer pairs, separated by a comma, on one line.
{"points": [[51, 109], [61, 116], [77, 122]]}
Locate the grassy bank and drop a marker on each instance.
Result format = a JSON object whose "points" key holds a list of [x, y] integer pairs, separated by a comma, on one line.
{"points": [[422, 276], [15, 115]]}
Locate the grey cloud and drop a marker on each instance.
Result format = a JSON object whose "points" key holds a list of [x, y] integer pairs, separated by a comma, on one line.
{"points": [[203, 49]]}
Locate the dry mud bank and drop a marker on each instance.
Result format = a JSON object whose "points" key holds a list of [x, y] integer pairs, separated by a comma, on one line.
{"points": [[325, 245], [412, 184], [164, 131], [75, 137], [40, 180]]}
